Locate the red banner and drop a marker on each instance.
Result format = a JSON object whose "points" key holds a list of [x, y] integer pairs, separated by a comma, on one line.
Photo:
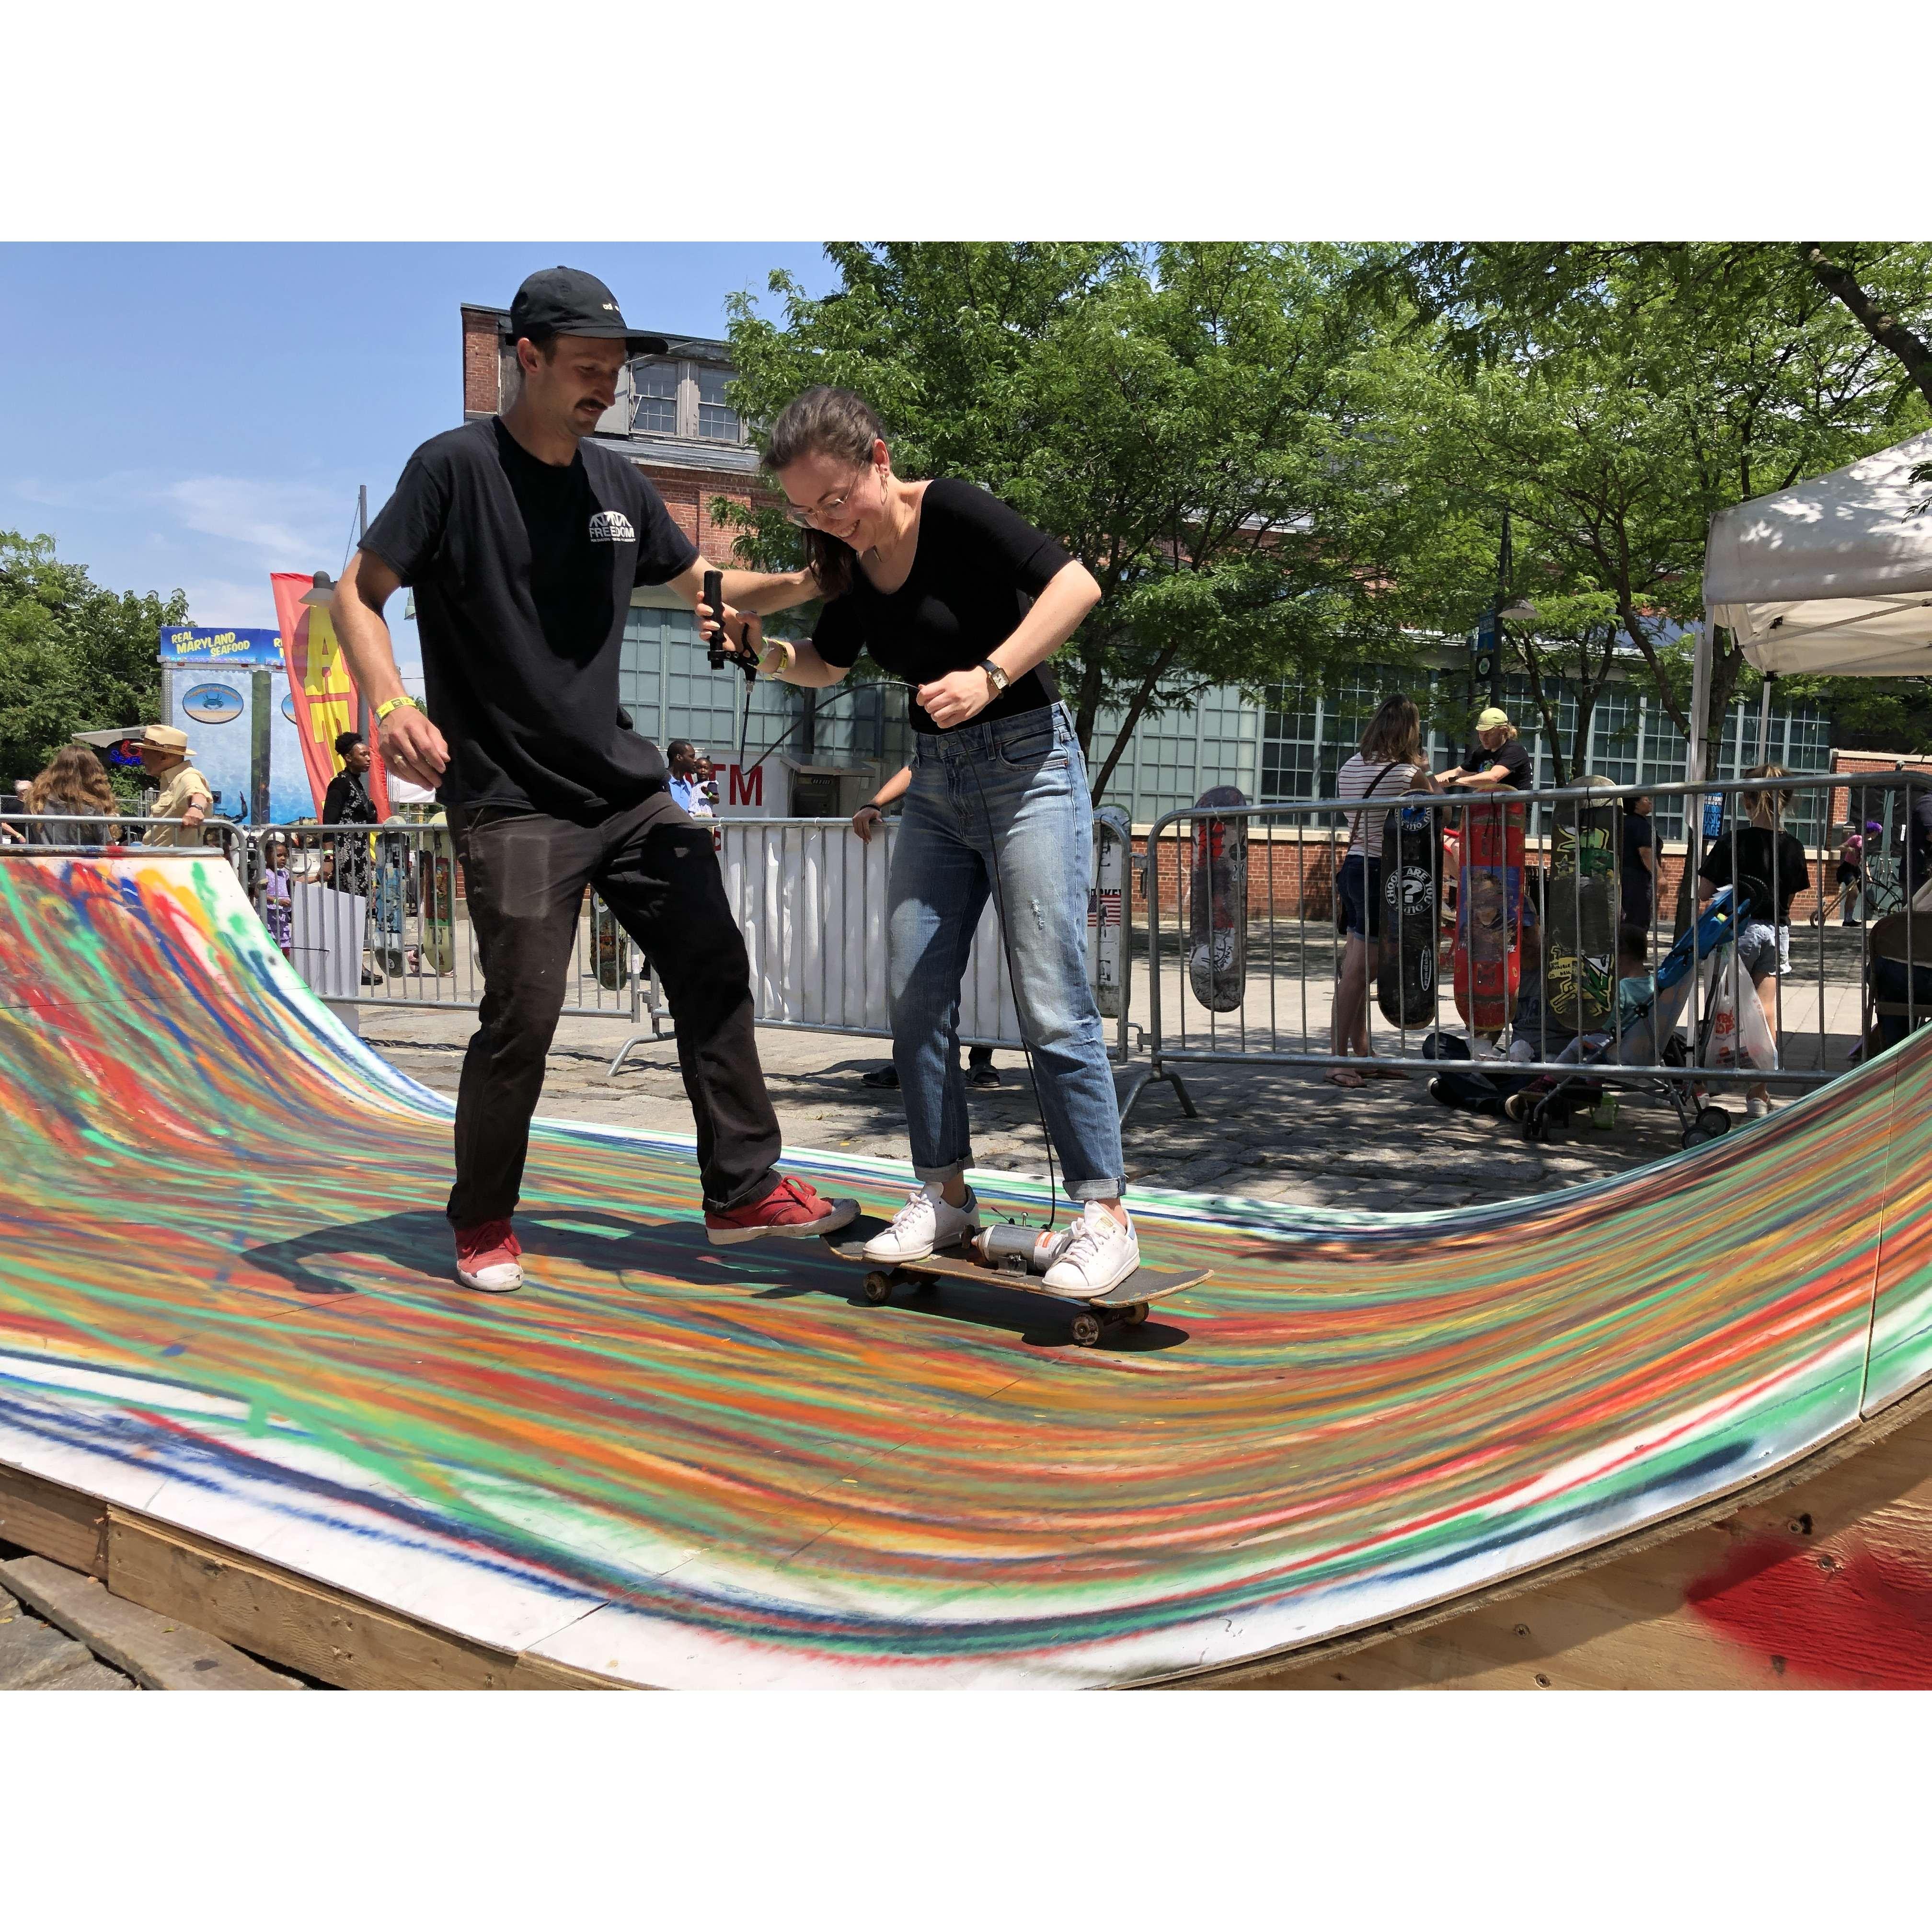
{"points": [[319, 687]]}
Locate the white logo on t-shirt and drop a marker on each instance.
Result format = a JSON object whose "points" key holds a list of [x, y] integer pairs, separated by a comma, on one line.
{"points": [[611, 526]]}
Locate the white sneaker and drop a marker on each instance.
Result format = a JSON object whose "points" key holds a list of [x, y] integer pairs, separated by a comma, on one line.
{"points": [[1101, 1255], [924, 1223], [1755, 1109]]}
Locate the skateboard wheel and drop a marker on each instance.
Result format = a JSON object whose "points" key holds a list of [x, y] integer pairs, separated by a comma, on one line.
{"points": [[1136, 1315], [1086, 1329], [1713, 1121], [878, 1288]]}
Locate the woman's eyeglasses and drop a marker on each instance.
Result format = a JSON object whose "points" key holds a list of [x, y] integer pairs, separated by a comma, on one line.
{"points": [[805, 520]]}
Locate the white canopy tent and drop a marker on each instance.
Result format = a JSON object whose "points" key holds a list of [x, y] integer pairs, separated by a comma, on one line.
{"points": [[1831, 577]]}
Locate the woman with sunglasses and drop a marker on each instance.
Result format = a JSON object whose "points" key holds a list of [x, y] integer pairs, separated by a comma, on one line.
{"points": [[962, 599]]}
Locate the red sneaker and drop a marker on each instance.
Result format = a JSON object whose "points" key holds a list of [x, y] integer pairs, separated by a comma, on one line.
{"points": [[488, 1257], [790, 1209]]}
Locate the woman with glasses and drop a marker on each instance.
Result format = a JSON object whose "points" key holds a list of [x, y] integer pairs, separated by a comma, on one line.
{"points": [[963, 600]]}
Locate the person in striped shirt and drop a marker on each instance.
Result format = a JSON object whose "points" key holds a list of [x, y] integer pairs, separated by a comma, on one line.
{"points": [[1388, 762]]}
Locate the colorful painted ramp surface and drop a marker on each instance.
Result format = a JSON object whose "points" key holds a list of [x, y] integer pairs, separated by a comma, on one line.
{"points": [[225, 1302]]}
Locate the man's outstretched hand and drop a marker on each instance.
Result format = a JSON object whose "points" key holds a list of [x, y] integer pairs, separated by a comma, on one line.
{"points": [[410, 744]]}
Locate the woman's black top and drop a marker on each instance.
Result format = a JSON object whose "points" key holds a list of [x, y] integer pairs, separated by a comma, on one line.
{"points": [[976, 568]]}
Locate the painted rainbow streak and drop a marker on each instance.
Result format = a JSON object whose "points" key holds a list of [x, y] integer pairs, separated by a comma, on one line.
{"points": [[224, 1296]]}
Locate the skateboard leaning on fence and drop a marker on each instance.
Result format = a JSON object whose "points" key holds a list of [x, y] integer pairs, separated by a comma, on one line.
{"points": [[1488, 913], [1217, 904], [1106, 900], [1412, 887], [1579, 965]]}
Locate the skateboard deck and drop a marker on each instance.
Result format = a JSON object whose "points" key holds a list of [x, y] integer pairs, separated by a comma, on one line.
{"points": [[1580, 932], [1106, 900], [1489, 912], [1126, 1301], [1411, 915], [1217, 904]]}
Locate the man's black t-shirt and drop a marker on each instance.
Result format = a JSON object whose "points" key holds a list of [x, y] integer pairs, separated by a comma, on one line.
{"points": [[1510, 755], [1754, 870], [523, 572], [976, 570], [1639, 836]]}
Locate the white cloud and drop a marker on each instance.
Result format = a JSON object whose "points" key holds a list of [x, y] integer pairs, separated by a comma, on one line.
{"points": [[214, 602], [292, 524]]}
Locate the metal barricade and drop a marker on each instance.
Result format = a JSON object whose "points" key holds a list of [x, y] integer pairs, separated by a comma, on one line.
{"points": [[118, 834], [378, 916], [1828, 998], [810, 897]]}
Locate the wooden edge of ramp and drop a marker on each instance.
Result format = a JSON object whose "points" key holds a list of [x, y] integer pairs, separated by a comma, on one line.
{"points": [[1624, 1614], [259, 1607]]}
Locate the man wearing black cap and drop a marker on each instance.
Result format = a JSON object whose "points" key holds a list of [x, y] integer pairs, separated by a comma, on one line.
{"points": [[523, 543]]}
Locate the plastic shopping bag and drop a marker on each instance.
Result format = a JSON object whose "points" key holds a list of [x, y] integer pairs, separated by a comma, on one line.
{"points": [[1739, 1036]]}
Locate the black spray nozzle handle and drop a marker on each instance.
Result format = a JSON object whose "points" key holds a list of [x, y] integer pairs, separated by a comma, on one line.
{"points": [[714, 604], [719, 650]]}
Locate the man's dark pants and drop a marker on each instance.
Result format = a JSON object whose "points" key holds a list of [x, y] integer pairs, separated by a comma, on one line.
{"points": [[656, 870]]}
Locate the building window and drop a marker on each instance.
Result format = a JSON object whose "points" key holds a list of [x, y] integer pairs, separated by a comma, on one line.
{"points": [[654, 398], [717, 421]]}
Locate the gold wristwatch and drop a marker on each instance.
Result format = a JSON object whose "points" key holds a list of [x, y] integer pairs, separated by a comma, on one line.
{"points": [[996, 677]]}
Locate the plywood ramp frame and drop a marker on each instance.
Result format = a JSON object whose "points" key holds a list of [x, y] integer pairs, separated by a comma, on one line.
{"points": [[1618, 1616], [259, 1607]]}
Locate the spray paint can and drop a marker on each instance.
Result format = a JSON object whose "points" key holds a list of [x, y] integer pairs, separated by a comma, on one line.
{"points": [[1019, 1250]]}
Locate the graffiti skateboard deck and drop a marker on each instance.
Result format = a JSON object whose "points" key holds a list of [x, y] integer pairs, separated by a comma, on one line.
{"points": [[1217, 904], [1580, 924], [1489, 912], [1106, 903], [1127, 1302], [1411, 886]]}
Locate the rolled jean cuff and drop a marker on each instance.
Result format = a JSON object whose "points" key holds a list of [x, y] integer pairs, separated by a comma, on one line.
{"points": [[937, 1176], [1095, 1190]]}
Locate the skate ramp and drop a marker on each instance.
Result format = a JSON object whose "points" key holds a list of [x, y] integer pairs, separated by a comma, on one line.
{"points": [[225, 1305]]}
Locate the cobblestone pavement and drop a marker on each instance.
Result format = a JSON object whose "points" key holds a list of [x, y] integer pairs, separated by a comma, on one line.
{"points": [[35, 1656], [1268, 1133]]}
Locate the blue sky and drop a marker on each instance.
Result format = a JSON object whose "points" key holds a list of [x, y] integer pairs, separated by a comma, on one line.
{"points": [[198, 415]]}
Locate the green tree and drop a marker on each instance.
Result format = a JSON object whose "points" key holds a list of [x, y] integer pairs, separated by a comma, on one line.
{"points": [[74, 657], [1615, 428], [1196, 423]]}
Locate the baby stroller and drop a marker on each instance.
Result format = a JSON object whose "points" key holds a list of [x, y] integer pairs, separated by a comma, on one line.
{"points": [[1650, 1038]]}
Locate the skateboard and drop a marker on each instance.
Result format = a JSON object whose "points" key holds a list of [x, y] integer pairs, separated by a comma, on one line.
{"points": [[1580, 932], [1126, 1303], [1105, 900], [1411, 915], [1217, 904], [1488, 913]]}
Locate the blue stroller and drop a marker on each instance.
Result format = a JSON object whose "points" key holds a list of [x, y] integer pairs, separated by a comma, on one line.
{"points": [[1650, 1038]]}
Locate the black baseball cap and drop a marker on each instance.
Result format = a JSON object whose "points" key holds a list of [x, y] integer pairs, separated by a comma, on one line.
{"points": [[566, 301]]}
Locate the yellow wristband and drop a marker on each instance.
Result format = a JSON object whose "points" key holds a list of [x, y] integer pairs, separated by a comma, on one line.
{"points": [[383, 710]]}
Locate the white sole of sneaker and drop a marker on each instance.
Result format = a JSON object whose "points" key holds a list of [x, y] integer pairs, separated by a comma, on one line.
{"points": [[842, 1212], [1093, 1290], [490, 1287], [902, 1257]]}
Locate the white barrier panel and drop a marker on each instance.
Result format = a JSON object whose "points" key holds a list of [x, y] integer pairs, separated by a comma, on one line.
{"points": [[810, 897], [326, 938]]}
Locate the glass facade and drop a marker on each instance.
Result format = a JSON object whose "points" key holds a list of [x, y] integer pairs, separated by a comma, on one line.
{"points": [[666, 684], [1292, 745], [1291, 748]]}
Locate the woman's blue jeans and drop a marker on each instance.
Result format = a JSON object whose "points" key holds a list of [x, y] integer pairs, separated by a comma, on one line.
{"points": [[1014, 793]]}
